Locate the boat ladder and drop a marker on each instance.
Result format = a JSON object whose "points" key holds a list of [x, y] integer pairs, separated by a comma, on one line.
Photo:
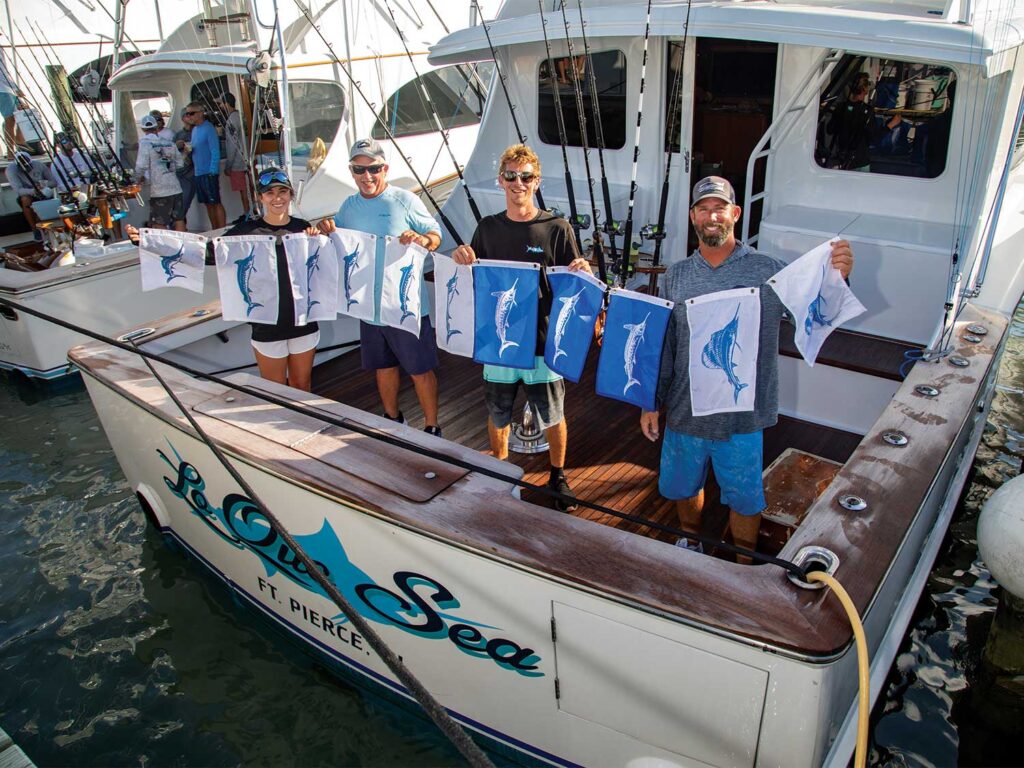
{"points": [[806, 93]]}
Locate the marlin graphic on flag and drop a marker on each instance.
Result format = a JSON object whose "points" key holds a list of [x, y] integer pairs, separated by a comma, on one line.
{"points": [[245, 269], [505, 299], [169, 258], [577, 298], [351, 262], [453, 290], [357, 260], [312, 265], [247, 273], [313, 270], [724, 333], [718, 352], [401, 298], [631, 351]]}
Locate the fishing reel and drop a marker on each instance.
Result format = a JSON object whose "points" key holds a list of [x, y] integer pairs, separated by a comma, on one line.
{"points": [[612, 227], [653, 232]]}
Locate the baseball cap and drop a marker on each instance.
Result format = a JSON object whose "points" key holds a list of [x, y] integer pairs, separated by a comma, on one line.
{"points": [[148, 122], [367, 148], [22, 156], [713, 186]]}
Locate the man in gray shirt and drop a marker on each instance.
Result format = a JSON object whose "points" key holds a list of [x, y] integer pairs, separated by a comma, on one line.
{"points": [[236, 165], [732, 442]]}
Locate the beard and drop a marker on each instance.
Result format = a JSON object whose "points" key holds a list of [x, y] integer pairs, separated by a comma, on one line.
{"points": [[714, 237]]}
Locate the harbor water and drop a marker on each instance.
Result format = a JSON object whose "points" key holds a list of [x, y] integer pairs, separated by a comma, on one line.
{"points": [[115, 650]]}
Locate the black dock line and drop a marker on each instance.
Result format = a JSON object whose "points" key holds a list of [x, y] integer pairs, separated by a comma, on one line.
{"points": [[425, 93], [504, 88], [398, 442], [574, 219], [344, 65], [610, 226], [676, 100], [582, 114]]}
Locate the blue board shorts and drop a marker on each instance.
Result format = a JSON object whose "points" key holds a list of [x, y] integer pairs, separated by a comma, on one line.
{"points": [[738, 462], [8, 103], [382, 346], [208, 188]]}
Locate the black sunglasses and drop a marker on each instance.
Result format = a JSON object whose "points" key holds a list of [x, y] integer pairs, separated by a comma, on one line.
{"points": [[359, 170], [525, 176], [271, 176], [195, 112]]}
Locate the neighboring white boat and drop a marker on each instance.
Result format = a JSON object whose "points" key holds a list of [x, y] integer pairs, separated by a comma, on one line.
{"points": [[217, 50], [586, 640]]}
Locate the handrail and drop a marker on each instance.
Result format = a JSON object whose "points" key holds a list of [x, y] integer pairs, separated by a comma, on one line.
{"points": [[808, 88]]}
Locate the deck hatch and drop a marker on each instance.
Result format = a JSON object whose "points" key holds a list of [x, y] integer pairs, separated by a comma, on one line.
{"points": [[642, 685], [394, 469]]}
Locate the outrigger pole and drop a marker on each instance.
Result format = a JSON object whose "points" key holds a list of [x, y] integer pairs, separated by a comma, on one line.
{"points": [[574, 219], [344, 65], [625, 267], [504, 88], [610, 226], [675, 107], [578, 92], [433, 112]]}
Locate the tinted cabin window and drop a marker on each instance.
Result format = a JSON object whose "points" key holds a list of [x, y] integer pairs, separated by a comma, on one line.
{"points": [[317, 110], [610, 74], [886, 116], [458, 93]]}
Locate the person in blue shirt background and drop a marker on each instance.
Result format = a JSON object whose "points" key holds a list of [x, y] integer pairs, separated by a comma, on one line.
{"points": [[206, 161], [383, 210]]}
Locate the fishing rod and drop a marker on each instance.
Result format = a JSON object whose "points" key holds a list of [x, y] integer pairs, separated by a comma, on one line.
{"points": [[574, 220], [344, 66], [578, 92], [675, 108], [504, 88], [610, 227], [433, 111], [625, 266]]}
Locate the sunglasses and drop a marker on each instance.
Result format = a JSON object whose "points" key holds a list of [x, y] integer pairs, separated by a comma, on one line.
{"points": [[194, 112], [359, 170], [269, 177], [525, 176]]}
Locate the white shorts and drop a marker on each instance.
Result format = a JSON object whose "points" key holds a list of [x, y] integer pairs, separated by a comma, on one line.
{"points": [[279, 349]]}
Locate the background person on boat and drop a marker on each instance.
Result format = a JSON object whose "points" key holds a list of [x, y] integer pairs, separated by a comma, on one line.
{"points": [[162, 130], [206, 160], [236, 167], [284, 351], [381, 209], [853, 128], [158, 162], [732, 442], [68, 164], [9, 95], [187, 173], [31, 181], [523, 232]]}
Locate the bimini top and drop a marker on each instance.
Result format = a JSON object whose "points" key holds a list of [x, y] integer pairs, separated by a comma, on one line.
{"points": [[921, 30]]}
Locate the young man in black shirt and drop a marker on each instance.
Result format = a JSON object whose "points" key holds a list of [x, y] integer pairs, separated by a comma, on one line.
{"points": [[526, 233]]}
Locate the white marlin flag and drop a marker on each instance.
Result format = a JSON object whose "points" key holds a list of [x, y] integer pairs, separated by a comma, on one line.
{"points": [[453, 303], [313, 265], [247, 273], [169, 258], [401, 298]]}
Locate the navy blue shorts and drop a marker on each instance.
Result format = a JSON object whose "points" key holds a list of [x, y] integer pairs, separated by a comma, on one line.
{"points": [[385, 347], [208, 188]]}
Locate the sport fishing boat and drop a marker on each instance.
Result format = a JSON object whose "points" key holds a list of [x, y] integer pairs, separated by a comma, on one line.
{"points": [[589, 639], [224, 47]]}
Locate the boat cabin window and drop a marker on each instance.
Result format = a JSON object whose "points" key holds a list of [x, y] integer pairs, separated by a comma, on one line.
{"points": [[207, 92], [318, 109], [610, 75], [886, 116], [458, 93]]}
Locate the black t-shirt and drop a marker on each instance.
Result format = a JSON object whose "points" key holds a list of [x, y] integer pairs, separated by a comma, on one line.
{"points": [[546, 240], [852, 128], [285, 327]]}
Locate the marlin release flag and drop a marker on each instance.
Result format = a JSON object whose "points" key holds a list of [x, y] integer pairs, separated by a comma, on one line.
{"points": [[725, 334], [453, 303], [634, 332], [173, 258], [576, 301], [357, 252], [313, 266], [400, 298], [817, 297], [505, 297], [247, 273]]}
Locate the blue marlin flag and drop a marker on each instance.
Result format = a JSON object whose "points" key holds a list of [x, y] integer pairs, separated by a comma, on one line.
{"points": [[505, 296], [634, 333], [576, 301]]}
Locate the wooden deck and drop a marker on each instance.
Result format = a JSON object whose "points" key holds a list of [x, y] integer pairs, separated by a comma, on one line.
{"points": [[609, 461]]}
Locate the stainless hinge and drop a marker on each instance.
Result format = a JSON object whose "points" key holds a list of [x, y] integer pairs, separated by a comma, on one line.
{"points": [[554, 632], [558, 689]]}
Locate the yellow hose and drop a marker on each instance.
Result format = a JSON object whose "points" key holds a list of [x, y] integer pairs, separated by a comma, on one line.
{"points": [[863, 674]]}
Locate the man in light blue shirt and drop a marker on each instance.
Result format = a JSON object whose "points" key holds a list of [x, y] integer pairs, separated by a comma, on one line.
{"points": [[383, 210], [206, 161]]}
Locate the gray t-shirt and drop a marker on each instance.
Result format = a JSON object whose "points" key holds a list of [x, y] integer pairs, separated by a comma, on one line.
{"points": [[234, 143], [744, 268]]}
